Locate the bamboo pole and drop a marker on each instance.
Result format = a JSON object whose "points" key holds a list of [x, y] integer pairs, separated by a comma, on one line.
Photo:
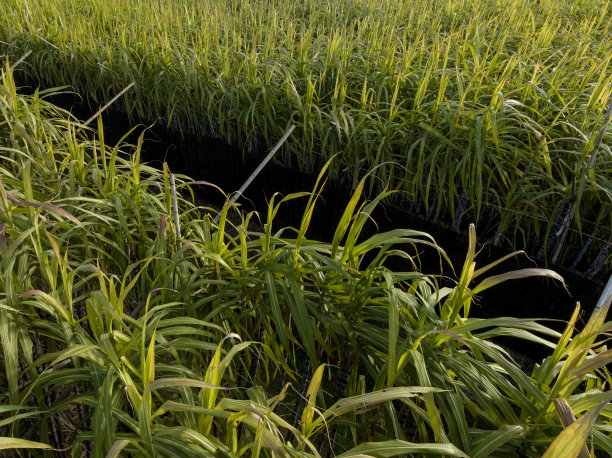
{"points": [[21, 59], [257, 170], [125, 89], [601, 134], [606, 296], [175, 214]]}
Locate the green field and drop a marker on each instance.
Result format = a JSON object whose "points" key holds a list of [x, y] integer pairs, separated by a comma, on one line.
{"points": [[131, 325], [488, 110]]}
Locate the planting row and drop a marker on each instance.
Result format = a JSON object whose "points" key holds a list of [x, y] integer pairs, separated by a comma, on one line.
{"points": [[131, 323], [492, 112]]}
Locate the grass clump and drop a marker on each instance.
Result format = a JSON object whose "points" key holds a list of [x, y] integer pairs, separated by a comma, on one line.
{"points": [[119, 336]]}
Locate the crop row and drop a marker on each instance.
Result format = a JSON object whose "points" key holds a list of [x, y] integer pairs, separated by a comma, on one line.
{"points": [[486, 109], [131, 323]]}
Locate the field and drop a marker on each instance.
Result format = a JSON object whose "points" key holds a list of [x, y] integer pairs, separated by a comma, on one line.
{"points": [[486, 111], [134, 323], [130, 323]]}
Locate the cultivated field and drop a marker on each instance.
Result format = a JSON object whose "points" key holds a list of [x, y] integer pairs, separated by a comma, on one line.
{"points": [[131, 324], [134, 323], [481, 109]]}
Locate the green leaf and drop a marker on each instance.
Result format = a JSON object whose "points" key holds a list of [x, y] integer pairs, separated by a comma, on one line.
{"points": [[397, 447], [514, 275], [14, 443], [311, 394], [492, 441], [116, 448], [177, 381]]}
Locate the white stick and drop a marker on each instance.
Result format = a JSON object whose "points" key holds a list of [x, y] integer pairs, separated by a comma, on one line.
{"points": [[175, 206], [108, 104], [601, 134], [606, 295], [257, 170], [21, 59]]}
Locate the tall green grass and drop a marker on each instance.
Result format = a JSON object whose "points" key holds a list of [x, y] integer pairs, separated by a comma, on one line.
{"points": [[485, 109], [119, 336]]}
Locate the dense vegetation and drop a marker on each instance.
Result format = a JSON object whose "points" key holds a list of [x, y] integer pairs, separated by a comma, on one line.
{"points": [[490, 109], [133, 325]]}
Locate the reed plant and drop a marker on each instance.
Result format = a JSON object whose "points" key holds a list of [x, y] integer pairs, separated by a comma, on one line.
{"points": [[120, 336], [488, 110]]}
